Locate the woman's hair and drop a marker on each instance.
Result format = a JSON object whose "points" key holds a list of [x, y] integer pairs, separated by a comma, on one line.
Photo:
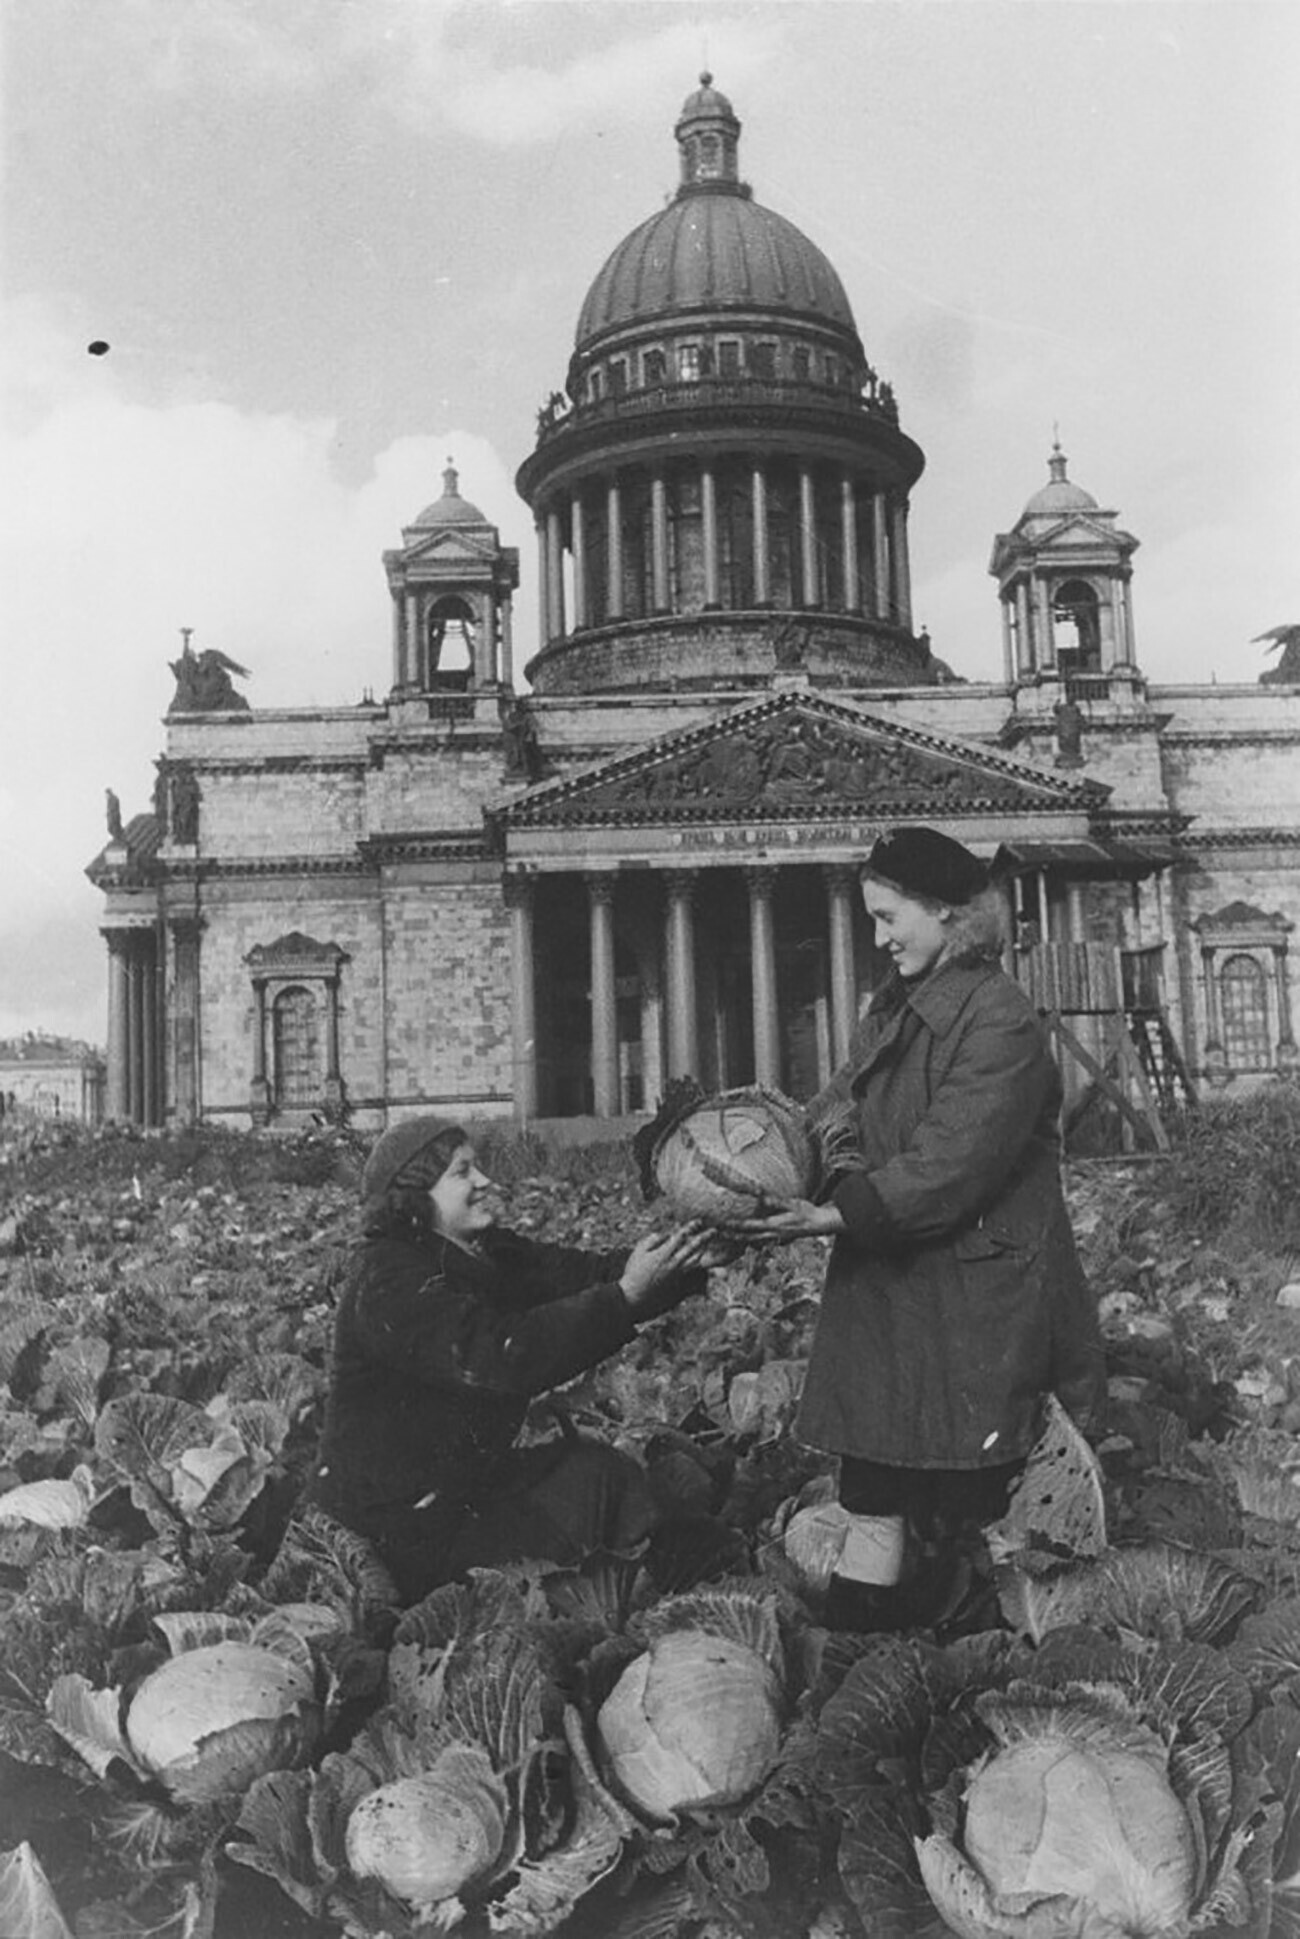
{"points": [[979, 929]]}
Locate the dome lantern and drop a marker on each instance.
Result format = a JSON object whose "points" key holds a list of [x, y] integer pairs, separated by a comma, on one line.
{"points": [[708, 134]]}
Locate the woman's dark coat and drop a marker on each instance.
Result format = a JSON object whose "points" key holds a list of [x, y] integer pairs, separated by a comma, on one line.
{"points": [[955, 1299], [437, 1353]]}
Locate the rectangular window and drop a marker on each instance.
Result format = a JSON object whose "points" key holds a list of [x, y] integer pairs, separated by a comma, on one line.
{"points": [[654, 367], [762, 359], [729, 358], [688, 363], [618, 377], [802, 364]]}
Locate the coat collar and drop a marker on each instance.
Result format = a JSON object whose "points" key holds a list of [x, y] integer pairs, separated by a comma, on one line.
{"points": [[938, 999]]}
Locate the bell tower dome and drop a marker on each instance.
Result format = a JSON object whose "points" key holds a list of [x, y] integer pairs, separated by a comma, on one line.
{"points": [[1064, 574]]}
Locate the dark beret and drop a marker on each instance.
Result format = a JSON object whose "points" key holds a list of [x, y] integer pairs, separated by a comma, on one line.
{"points": [[922, 862]]}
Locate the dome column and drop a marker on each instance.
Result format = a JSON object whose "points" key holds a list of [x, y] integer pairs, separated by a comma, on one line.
{"points": [[762, 546], [554, 576], [578, 553], [614, 550], [1008, 644], [849, 544], [880, 553], [659, 541], [809, 577], [902, 570], [709, 535], [505, 646]]}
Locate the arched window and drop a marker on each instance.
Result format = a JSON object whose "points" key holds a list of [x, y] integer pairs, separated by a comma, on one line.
{"points": [[1076, 626], [450, 644], [1243, 996], [295, 1049]]}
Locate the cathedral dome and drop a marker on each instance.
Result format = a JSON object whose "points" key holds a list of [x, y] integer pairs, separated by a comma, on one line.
{"points": [[713, 247], [451, 508], [1059, 495]]}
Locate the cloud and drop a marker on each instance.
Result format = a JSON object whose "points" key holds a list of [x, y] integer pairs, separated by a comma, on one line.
{"points": [[127, 521]]}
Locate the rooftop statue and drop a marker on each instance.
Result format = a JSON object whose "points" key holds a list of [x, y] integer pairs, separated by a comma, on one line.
{"points": [[1287, 671], [204, 683]]}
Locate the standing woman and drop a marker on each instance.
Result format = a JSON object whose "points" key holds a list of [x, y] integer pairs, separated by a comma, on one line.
{"points": [[954, 1299], [447, 1327]]}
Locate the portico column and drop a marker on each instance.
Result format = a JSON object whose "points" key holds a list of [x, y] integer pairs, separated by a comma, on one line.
{"points": [[399, 642], [762, 553], [849, 544], [880, 553], [659, 540], [554, 576], [808, 536], [604, 1011], [1125, 644], [523, 996], [902, 571], [762, 964], [333, 1079], [1075, 925], [709, 533], [118, 1090], [683, 1023], [841, 884], [614, 550], [578, 530], [543, 584]]}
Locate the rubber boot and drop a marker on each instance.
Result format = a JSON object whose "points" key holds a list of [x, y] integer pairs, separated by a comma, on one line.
{"points": [[865, 1608]]}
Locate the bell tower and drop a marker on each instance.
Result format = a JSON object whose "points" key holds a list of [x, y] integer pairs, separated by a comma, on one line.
{"points": [[1064, 574], [451, 583]]}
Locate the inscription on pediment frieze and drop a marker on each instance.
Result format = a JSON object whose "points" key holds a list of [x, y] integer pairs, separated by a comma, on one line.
{"points": [[799, 763]]}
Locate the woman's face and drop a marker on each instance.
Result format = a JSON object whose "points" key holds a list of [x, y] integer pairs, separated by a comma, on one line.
{"points": [[463, 1206], [912, 932]]}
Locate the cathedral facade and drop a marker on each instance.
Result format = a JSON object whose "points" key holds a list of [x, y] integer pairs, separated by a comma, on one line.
{"points": [[545, 892]]}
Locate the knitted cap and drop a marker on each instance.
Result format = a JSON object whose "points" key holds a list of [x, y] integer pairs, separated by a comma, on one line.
{"points": [[415, 1152], [922, 862]]}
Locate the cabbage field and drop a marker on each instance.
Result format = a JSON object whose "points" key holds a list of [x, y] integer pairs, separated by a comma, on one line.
{"points": [[215, 1722]]}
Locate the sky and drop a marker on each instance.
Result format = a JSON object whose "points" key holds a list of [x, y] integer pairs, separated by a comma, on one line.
{"points": [[332, 243]]}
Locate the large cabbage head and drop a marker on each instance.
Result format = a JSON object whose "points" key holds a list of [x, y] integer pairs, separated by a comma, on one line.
{"points": [[232, 1701], [1074, 1818], [427, 1836], [695, 1719], [732, 1151]]}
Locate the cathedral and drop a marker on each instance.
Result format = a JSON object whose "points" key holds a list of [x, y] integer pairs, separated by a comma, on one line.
{"points": [[542, 892]]}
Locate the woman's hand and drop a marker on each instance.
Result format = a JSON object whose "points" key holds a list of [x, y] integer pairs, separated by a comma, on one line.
{"points": [[792, 1218], [659, 1259]]}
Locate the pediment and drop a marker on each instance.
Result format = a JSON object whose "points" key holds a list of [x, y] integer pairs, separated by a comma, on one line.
{"points": [[799, 757], [449, 548], [1242, 916]]}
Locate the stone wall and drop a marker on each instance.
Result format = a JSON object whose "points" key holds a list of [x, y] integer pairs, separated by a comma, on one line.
{"points": [[447, 1001]]}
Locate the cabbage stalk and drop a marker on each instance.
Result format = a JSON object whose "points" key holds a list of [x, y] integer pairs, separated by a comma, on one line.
{"points": [[427, 1836], [694, 1720], [1074, 1827]]}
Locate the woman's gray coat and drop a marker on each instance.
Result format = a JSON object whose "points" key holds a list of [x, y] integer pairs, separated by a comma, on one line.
{"points": [[955, 1299]]}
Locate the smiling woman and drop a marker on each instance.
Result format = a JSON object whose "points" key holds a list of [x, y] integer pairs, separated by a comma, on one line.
{"points": [[954, 1301], [447, 1327]]}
